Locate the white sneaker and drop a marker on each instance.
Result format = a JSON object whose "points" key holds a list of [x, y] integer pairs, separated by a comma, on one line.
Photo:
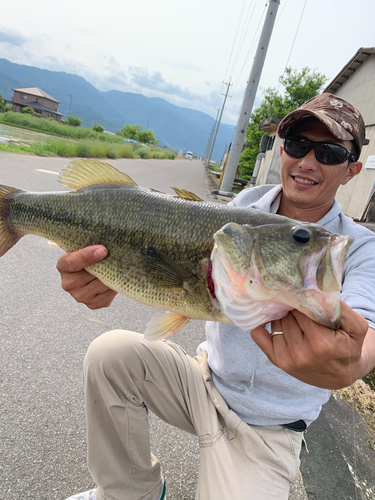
{"points": [[91, 494], [87, 495]]}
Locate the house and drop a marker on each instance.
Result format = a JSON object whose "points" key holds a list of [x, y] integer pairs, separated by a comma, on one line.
{"points": [[356, 84], [42, 103]]}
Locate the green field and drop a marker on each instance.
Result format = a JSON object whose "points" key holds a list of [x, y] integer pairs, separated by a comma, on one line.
{"points": [[21, 133]]}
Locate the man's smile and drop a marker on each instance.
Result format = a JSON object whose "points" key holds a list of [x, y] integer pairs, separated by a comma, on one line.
{"points": [[303, 181]]}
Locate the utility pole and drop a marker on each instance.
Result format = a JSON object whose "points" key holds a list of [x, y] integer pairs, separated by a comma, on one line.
{"points": [[70, 104], [211, 136], [250, 92], [208, 143], [218, 123]]}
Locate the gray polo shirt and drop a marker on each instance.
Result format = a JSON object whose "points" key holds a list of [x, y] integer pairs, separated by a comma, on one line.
{"points": [[259, 392]]}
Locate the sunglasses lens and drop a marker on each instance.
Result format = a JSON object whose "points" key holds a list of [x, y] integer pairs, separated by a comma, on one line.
{"points": [[330, 153], [296, 147]]}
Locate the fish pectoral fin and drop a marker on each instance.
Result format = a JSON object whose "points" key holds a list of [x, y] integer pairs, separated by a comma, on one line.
{"points": [[186, 195], [164, 271], [53, 244], [163, 325], [83, 172]]}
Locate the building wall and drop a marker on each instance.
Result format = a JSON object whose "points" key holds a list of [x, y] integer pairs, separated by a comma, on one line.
{"points": [[353, 196], [269, 172], [359, 90]]}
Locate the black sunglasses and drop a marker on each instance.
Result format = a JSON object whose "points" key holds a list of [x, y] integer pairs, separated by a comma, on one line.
{"points": [[325, 152]]}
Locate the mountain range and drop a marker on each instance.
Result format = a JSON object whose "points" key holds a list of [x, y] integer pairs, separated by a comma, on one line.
{"points": [[174, 126]]}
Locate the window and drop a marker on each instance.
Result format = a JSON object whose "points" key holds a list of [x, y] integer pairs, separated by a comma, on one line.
{"points": [[55, 106], [270, 142], [23, 96]]}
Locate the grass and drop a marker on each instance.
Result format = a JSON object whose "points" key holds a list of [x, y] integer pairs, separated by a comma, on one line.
{"points": [[88, 149], [54, 128], [362, 398], [79, 142]]}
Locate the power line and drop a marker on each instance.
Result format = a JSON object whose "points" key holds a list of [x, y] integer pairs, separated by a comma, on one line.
{"points": [[295, 36], [250, 49], [235, 37], [218, 123], [243, 35]]}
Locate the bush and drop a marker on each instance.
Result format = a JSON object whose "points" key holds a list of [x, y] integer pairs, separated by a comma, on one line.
{"points": [[28, 111], [73, 121], [8, 107], [98, 128], [83, 150]]}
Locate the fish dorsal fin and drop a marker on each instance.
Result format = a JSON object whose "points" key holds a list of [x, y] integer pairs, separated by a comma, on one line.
{"points": [[186, 195], [163, 325], [156, 191], [83, 172]]}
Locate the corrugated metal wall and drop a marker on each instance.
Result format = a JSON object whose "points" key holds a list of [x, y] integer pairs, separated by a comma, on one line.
{"points": [[359, 90]]}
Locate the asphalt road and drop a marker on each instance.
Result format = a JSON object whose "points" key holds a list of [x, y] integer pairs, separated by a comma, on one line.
{"points": [[44, 337]]}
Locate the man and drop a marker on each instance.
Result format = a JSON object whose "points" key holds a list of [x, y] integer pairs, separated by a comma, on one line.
{"points": [[247, 396]]}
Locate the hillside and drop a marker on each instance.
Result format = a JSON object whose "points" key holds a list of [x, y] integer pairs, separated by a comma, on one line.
{"points": [[174, 126]]}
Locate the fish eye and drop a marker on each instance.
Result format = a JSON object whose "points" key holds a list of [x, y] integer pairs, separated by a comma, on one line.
{"points": [[301, 235]]}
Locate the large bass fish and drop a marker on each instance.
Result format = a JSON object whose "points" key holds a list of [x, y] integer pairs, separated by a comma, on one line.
{"points": [[193, 259]]}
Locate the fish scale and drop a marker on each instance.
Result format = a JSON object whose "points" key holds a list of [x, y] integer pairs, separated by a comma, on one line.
{"points": [[160, 247]]}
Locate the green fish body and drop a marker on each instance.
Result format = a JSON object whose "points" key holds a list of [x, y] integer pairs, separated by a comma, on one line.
{"points": [[160, 247]]}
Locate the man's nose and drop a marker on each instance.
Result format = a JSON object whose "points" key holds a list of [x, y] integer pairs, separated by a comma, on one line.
{"points": [[309, 161]]}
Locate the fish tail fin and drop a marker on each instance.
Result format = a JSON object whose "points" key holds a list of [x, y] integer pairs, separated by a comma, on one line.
{"points": [[7, 237], [163, 325]]}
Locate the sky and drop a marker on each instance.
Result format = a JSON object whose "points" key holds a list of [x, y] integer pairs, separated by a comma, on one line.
{"points": [[183, 51]]}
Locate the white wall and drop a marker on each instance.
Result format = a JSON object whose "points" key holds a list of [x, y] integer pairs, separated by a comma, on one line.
{"points": [[359, 90]]}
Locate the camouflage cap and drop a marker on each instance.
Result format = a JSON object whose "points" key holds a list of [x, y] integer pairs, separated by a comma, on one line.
{"points": [[342, 119]]}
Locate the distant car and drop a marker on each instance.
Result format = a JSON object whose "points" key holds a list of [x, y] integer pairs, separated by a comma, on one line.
{"points": [[189, 155]]}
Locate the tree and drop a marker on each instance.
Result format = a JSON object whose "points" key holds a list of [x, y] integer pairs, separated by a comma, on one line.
{"points": [[147, 137], [298, 88], [97, 128], [28, 111], [73, 121], [2, 104], [136, 133], [130, 131]]}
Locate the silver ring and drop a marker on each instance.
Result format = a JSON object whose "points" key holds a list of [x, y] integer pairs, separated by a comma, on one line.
{"points": [[276, 333]]}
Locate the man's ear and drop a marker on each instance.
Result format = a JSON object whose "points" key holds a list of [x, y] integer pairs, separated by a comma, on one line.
{"points": [[281, 150], [354, 168]]}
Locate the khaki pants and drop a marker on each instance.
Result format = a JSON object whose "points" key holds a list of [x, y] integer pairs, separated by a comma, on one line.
{"points": [[124, 375]]}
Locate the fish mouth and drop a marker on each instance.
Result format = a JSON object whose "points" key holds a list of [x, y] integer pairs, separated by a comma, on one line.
{"points": [[248, 300], [330, 268]]}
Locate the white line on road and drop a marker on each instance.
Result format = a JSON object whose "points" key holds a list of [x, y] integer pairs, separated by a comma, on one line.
{"points": [[46, 171]]}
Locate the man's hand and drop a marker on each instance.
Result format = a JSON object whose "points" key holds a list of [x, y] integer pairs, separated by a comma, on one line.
{"points": [[81, 285], [317, 355]]}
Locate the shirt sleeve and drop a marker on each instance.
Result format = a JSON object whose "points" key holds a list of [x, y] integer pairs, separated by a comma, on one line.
{"points": [[358, 289]]}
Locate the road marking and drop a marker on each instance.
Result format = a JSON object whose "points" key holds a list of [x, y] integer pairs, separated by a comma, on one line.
{"points": [[47, 171]]}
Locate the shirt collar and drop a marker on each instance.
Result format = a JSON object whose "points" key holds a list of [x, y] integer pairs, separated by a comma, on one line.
{"points": [[270, 202]]}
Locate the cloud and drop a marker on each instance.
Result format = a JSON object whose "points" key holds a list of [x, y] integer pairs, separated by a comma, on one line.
{"points": [[111, 62], [12, 38], [155, 81]]}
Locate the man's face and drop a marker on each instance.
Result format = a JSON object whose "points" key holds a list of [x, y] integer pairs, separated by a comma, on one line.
{"points": [[308, 184]]}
